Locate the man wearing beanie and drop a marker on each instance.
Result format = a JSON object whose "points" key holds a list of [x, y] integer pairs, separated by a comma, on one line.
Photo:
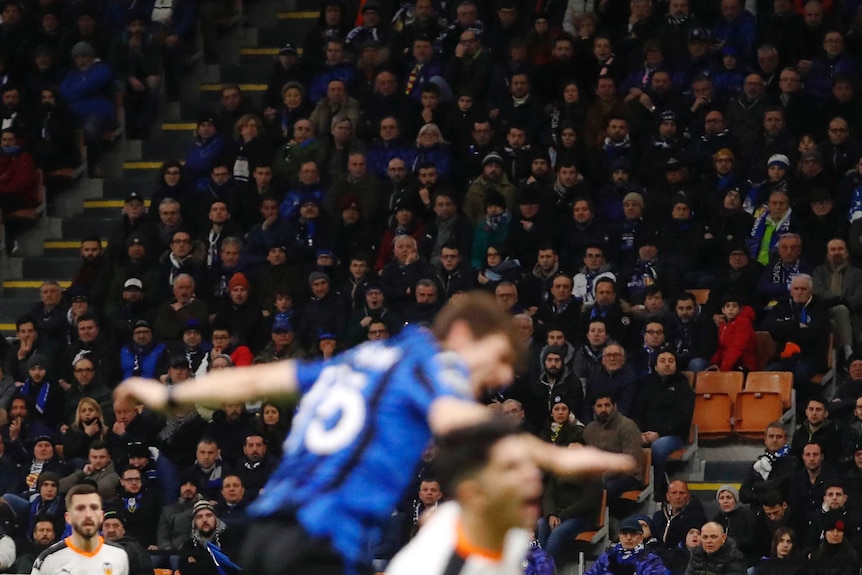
{"points": [[555, 384], [114, 530], [211, 545], [176, 517], [241, 312], [492, 178]]}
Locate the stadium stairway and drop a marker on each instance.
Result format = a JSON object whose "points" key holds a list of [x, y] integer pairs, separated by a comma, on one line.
{"points": [[48, 250]]}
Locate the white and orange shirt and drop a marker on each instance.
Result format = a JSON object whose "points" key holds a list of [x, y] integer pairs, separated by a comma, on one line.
{"points": [[440, 548], [64, 558]]}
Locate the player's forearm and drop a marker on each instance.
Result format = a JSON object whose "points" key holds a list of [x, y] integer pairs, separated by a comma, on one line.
{"points": [[448, 414], [576, 461], [239, 384]]}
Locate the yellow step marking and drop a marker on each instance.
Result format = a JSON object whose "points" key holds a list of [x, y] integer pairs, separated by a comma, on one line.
{"points": [[142, 165], [108, 203], [243, 87], [7, 327], [709, 486], [24, 284], [307, 15], [63, 245], [263, 51], [179, 126]]}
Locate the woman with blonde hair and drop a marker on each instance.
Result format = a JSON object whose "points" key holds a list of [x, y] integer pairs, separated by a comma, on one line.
{"points": [[88, 426], [432, 149], [250, 148]]}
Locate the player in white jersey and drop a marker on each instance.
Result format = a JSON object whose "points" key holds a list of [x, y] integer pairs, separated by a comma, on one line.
{"points": [[84, 552], [497, 487]]}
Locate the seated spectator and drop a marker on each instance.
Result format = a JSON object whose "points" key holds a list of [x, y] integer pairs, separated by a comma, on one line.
{"points": [[240, 312], [677, 514], [676, 560], [587, 359], [807, 487], [737, 520], [498, 269], [99, 469], [607, 307], [628, 554], [838, 284], [114, 530], [229, 427], [562, 309], [617, 378], [612, 431], [232, 502], [453, 273], [255, 465], [192, 349], [176, 517], [736, 344], [595, 267], [835, 552], [289, 158], [739, 278], [173, 315], [564, 429], [22, 430], [138, 506], [18, 184], [140, 357], [555, 384], [284, 344], [771, 223], [407, 223], [717, 553], [834, 506], [208, 145], [94, 343], [664, 411], [130, 427], [771, 471], [569, 508], [87, 89], [207, 529], [817, 427], [225, 343], [426, 304], [800, 325], [87, 427], [492, 178], [49, 317], [41, 536]]}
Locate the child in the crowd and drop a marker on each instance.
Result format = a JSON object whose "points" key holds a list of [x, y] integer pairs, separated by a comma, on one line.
{"points": [[736, 343]]}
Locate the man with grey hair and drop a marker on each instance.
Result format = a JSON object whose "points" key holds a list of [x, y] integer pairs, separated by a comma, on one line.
{"points": [[403, 272], [425, 305], [774, 282], [800, 325], [184, 308]]}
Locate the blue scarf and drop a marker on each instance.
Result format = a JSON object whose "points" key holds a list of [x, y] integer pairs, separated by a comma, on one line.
{"points": [[493, 223], [221, 560], [855, 211], [41, 397]]}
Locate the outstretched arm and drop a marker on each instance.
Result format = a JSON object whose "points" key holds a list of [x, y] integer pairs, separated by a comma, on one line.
{"points": [[449, 413], [223, 385], [576, 460]]}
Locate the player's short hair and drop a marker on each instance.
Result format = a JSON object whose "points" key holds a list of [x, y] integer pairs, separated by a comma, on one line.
{"points": [[464, 452], [482, 314], [81, 489]]}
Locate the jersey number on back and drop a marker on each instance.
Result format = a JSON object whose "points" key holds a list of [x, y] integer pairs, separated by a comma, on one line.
{"points": [[336, 394]]}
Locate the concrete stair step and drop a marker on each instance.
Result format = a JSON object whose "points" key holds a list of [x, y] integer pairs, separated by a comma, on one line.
{"points": [[247, 73], [80, 226], [65, 247], [117, 188], [50, 266]]}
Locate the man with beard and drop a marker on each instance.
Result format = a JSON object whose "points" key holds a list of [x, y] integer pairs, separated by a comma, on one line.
{"points": [[43, 536], [84, 551], [425, 305], [614, 432], [774, 513], [691, 334], [492, 178], [176, 517], [192, 347], [555, 384], [114, 530], [141, 356], [446, 225], [197, 556], [138, 507], [91, 275], [255, 466], [666, 407]]}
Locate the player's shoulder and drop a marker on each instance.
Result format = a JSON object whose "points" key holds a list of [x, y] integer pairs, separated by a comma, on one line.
{"points": [[53, 549]]}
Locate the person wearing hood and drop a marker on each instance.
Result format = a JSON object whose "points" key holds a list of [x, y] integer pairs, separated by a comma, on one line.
{"points": [[736, 343], [212, 546], [555, 384], [717, 554], [85, 90], [737, 520], [18, 183], [629, 555], [664, 411], [835, 555]]}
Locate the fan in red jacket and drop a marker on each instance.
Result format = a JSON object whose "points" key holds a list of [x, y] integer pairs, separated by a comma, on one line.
{"points": [[736, 342], [19, 183]]}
